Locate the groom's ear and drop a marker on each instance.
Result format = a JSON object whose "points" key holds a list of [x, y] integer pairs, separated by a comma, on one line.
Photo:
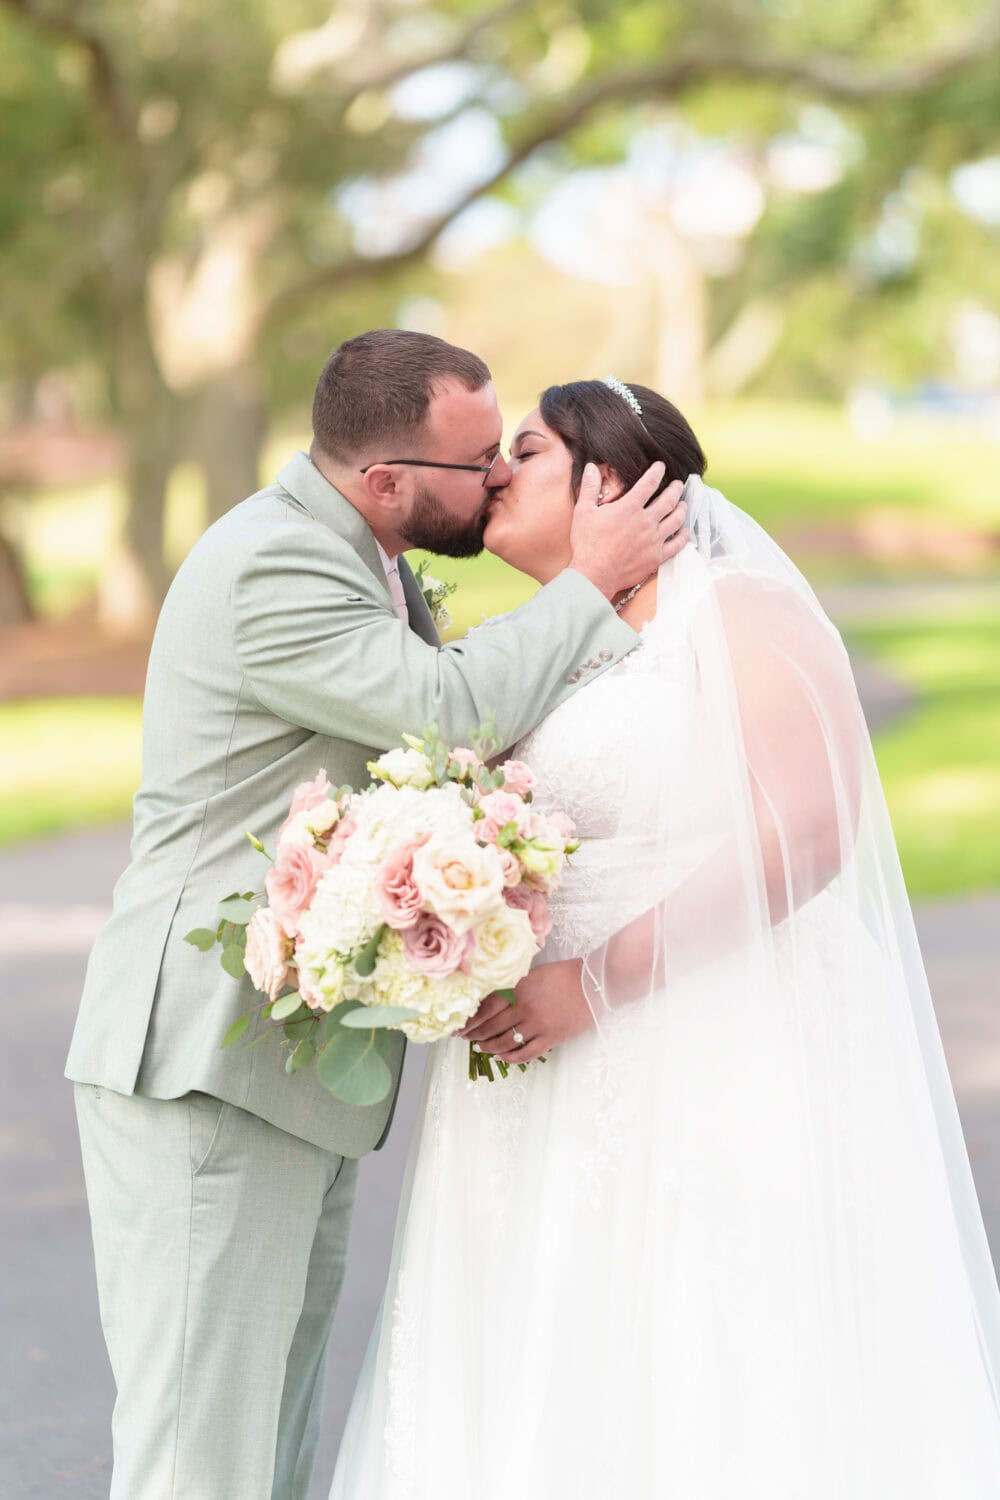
{"points": [[382, 484]]}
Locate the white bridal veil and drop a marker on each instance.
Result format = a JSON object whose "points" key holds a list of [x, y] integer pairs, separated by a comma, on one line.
{"points": [[757, 915], [725, 1246]]}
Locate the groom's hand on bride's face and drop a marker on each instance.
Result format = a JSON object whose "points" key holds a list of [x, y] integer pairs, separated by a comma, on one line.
{"points": [[551, 1008], [622, 543]]}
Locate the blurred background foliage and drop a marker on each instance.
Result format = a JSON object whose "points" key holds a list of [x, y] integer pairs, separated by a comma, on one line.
{"points": [[784, 215]]}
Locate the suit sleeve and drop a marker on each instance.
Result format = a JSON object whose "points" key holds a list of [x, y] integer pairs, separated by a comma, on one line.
{"points": [[321, 648]]}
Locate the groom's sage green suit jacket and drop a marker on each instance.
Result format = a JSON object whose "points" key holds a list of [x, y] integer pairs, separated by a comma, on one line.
{"points": [[277, 653]]}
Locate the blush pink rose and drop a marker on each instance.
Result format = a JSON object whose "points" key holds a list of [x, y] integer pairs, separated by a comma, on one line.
{"points": [[511, 867], [563, 825], [309, 996], [338, 839], [467, 759], [499, 809], [291, 883], [523, 898], [267, 952], [397, 894], [435, 949], [517, 777], [307, 795]]}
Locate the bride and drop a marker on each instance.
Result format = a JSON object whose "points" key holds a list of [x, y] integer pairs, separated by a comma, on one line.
{"points": [[725, 1243]]}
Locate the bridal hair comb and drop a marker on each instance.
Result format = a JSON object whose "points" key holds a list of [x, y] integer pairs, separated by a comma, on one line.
{"points": [[621, 389]]}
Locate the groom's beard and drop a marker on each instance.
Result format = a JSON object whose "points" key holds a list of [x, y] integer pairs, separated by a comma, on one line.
{"points": [[434, 529]]}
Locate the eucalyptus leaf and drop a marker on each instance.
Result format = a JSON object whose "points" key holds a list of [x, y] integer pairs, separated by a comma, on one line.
{"points": [[364, 963], [232, 960], [286, 1006], [365, 1017], [237, 909], [508, 995], [236, 1030], [350, 1068], [385, 1042], [332, 1020], [301, 1056], [201, 938]]}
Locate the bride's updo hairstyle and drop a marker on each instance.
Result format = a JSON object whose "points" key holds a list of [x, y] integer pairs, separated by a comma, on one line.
{"points": [[599, 426]]}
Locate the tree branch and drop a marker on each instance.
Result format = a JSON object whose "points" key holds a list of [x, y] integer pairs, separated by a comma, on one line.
{"points": [[105, 80], [453, 51], [839, 79]]}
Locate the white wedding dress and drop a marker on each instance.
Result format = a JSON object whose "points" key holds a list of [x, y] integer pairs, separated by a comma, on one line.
{"points": [[724, 1246]]}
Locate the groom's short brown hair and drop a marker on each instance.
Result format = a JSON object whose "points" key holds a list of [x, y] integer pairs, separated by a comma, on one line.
{"points": [[377, 387]]}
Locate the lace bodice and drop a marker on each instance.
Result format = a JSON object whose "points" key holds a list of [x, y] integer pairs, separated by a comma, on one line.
{"points": [[585, 755]]}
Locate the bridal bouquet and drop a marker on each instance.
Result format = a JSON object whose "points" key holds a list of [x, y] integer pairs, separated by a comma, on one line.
{"points": [[399, 907]]}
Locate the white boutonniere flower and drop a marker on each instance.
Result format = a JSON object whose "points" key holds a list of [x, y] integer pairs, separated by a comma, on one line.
{"points": [[435, 593]]}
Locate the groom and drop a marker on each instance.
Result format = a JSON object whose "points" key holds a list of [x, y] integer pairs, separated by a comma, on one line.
{"points": [[294, 637]]}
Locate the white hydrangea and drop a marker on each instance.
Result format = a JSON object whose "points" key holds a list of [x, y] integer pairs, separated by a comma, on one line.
{"points": [[444, 1004], [390, 815], [342, 915]]}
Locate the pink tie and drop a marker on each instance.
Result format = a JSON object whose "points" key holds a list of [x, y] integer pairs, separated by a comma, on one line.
{"points": [[396, 591]]}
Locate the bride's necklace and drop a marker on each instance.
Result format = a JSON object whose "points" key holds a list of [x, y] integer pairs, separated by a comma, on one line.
{"points": [[631, 594]]}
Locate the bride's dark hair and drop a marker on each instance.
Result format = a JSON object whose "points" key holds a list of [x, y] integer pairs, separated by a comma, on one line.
{"points": [[598, 426]]}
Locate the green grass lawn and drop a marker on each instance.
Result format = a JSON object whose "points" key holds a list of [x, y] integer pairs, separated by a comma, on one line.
{"points": [[784, 462], [940, 762], [66, 763]]}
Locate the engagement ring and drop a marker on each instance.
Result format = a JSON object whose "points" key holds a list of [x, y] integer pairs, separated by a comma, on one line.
{"points": [[518, 1039]]}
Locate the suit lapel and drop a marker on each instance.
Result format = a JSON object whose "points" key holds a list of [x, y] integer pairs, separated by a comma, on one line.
{"points": [[421, 619]]}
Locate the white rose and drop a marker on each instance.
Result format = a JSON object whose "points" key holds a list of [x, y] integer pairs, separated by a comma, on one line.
{"points": [[505, 947], [403, 768], [459, 879], [310, 825]]}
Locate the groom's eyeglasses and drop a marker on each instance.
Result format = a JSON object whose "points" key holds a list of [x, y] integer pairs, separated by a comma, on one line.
{"points": [[425, 463]]}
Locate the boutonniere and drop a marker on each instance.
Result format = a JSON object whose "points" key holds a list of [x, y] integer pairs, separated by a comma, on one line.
{"points": [[435, 593]]}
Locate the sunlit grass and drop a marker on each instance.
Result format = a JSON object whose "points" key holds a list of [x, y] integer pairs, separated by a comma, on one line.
{"points": [[783, 463], [940, 762], [66, 763], [786, 463]]}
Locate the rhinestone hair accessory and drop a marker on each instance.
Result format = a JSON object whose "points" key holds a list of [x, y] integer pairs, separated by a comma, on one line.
{"points": [[621, 389]]}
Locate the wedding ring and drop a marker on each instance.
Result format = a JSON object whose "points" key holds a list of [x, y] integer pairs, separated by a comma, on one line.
{"points": [[518, 1039]]}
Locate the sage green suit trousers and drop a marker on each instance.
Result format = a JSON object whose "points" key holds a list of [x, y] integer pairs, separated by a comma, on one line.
{"points": [[220, 1243]]}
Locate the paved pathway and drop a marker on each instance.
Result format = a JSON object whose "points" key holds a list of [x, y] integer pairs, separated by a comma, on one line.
{"points": [[55, 1388]]}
